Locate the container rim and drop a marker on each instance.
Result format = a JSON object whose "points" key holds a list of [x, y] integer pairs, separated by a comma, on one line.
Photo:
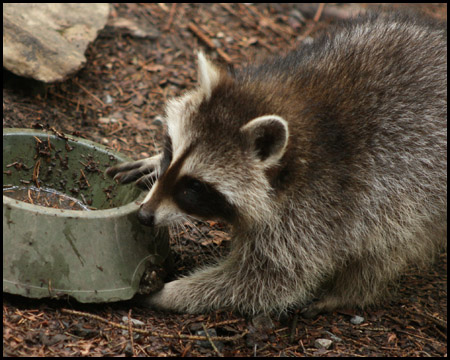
{"points": [[94, 214]]}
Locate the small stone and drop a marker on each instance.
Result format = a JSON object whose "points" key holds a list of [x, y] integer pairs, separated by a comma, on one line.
{"points": [[108, 99], [107, 120], [207, 343], [263, 322], [322, 344], [158, 120], [128, 351], [357, 320], [133, 321]]}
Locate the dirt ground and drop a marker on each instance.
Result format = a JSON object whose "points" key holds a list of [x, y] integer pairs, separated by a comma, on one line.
{"points": [[117, 100]]}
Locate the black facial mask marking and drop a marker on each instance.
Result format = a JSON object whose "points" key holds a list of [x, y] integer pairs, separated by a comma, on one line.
{"points": [[199, 198]]}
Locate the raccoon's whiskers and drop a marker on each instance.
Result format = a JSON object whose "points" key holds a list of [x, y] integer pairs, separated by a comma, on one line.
{"points": [[176, 231]]}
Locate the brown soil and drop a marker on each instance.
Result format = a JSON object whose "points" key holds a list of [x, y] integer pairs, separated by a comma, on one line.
{"points": [[117, 100]]}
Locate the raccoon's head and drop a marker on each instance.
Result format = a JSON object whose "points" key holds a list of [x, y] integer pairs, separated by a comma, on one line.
{"points": [[221, 143]]}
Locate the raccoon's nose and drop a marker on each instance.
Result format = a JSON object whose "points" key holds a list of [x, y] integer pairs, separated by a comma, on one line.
{"points": [[146, 217]]}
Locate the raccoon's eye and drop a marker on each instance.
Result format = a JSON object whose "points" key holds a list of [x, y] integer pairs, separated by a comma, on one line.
{"points": [[194, 186], [202, 199]]}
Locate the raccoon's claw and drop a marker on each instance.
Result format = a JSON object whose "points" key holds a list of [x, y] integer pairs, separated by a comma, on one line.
{"points": [[310, 312], [146, 182], [126, 172], [144, 171], [325, 304], [172, 297], [163, 299], [130, 176]]}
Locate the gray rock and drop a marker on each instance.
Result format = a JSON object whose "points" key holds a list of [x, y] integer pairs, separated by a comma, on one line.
{"points": [[322, 343], [357, 320], [47, 41]]}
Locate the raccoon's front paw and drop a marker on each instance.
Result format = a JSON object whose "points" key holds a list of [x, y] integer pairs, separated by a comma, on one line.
{"points": [[167, 299], [310, 312], [144, 171], [327, 304]]}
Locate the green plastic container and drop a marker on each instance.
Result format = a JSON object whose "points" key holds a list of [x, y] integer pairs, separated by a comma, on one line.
{"points": [[94, 256]]}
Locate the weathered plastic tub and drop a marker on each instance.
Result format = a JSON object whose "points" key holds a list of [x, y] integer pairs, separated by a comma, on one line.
{"points": [[93, 256]]}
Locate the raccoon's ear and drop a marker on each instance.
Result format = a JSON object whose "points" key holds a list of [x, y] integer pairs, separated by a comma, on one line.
{"points": [[268, 137], [208, 74]]}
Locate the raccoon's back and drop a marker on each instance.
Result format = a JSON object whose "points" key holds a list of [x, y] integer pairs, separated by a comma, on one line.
{"points": [[369, 99]]}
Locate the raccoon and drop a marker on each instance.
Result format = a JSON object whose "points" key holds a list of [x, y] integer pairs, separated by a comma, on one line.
{"points": [[329, 164]]}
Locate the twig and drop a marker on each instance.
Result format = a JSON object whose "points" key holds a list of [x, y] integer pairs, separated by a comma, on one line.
{"points": [[416, 336], [72, 101], [319, 12], [36, 172], [172, 12], [224, 56], [120, 127], [130, 331], [88, 92], [119, 89], [186, 349], [202, 36], [439, 322], [84, 177], [303, 346], [12, 164], [285, 33], [29, 196], [220, 323], [239, 16], [310, 27], [211, 342], [398, 321], [372, 328], [154, 333]]}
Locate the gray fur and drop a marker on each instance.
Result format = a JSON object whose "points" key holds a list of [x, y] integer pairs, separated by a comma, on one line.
{"points": [[358, 192]]}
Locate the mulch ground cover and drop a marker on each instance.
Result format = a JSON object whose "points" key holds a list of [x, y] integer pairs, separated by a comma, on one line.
{"points": [[145, 55]]}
